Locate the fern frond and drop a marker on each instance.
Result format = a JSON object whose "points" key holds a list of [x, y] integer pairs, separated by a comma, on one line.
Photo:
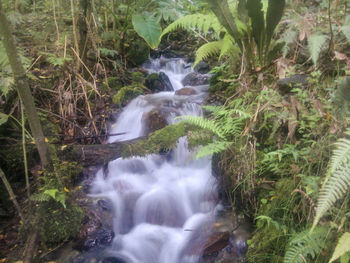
{"points": [[203, 123], [305, 244], [346, 28], [338, 179], [201, 22], [211, 148], [228, 46], [342, 247], [207, 50], [41, 197], [315, 44]]}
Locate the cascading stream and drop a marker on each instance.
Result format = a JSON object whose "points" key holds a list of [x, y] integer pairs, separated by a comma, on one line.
{"points": [[163, 204]]}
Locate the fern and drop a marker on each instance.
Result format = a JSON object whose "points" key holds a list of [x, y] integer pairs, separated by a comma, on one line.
{"points": [[228, 47], [316, 42], [211, 148], [342, 247], [346, 28], [206, 124], [338, 178], [199, 21], [305, 244], [207, 50]]}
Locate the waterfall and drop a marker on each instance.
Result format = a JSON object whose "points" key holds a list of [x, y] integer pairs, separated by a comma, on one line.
{"points": [[163, 203]]}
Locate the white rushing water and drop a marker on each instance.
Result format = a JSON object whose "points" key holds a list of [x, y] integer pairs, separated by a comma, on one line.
{"points": [[162, 203]]}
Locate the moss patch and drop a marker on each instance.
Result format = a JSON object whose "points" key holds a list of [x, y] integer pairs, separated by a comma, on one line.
{"points": [[126, 94]]}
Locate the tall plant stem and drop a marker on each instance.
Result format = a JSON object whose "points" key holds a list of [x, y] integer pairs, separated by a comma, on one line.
{"points": [[75, 36], [11, 194], [25, 152], [22, 86]]}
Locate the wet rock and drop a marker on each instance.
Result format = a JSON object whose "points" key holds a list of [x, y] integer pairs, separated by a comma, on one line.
{"points": [[153, 120], [186, 92], [113, 260], [287, 84], [195, 79], [101, 238], [158, 82], [105, 205], [215, 243], [202, 67]]}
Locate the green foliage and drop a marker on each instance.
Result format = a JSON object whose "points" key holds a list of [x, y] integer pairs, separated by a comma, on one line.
{"points": [[127, 93], [346, 28], [148, 27], [305, 244], [338, 178], [316, 43], [342, 247], [3, 118], [57, 195], [201, 22], [207, 50], [54, 60]]}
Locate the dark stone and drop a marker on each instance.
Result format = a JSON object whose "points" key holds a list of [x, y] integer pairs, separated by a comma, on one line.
{"points": [[166, 81], [155, 54], [215, 243], [105, 204], [287, 84], [138, 52], [158, 82], [202, 67], [185, 92], [101, 238], [113, 260], [195, 79], [153, 120]]}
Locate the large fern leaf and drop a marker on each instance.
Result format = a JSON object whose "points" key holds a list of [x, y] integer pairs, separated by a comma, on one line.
{"points": [[342, 247], [201, 22], [228, 47], [338, 179], [206, 124], [315, 45], [207, 50], [305, 244], [211, 148]]}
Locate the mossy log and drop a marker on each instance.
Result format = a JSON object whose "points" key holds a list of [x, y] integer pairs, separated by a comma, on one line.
{"points": [[100, 154]]}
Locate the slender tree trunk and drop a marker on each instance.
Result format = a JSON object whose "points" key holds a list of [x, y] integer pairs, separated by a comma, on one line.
{"points": [[22, 86], [11, 194]]}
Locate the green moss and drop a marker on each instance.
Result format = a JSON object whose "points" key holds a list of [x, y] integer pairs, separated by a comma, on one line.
{"points": [[60, 224], [137, 77], [126, 94], [160, 140], [112, 83], [138, 52]]}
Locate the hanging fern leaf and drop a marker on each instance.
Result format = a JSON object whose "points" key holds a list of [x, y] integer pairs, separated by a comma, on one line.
{"points": [[342, 247], [346, 28], [199, 21], [211, 148], [305, 244], [207, 50], [228, 47], [315, 44], [338, 179], [206, 124]]}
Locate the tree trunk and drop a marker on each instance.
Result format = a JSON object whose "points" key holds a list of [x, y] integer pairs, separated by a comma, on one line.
{"points": [[22, 86]]}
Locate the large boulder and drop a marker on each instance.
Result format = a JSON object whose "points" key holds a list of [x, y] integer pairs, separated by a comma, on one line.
{"points": [[195, 79], [185, 92], [158, 82], [153, 120], [296, 81]]}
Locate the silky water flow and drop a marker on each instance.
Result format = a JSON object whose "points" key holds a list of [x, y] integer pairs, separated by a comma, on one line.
{"points": [[164, 204]]}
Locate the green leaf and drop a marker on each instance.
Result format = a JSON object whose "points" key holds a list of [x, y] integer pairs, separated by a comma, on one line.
{"points": [[273, 17], [342, 247], [3, 118], [207, 50], [57, 196], [316, 42], [256, 15], [51, 192], [148, 27], [346, 28]]}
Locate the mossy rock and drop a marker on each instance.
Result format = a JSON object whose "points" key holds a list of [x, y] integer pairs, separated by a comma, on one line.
{"points": [[126, 94], [112, 83], [138, 52], [60, 224], [137, 77]]}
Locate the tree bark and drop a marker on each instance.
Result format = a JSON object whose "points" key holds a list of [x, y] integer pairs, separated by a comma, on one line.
{"points": [[22, 86]]}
